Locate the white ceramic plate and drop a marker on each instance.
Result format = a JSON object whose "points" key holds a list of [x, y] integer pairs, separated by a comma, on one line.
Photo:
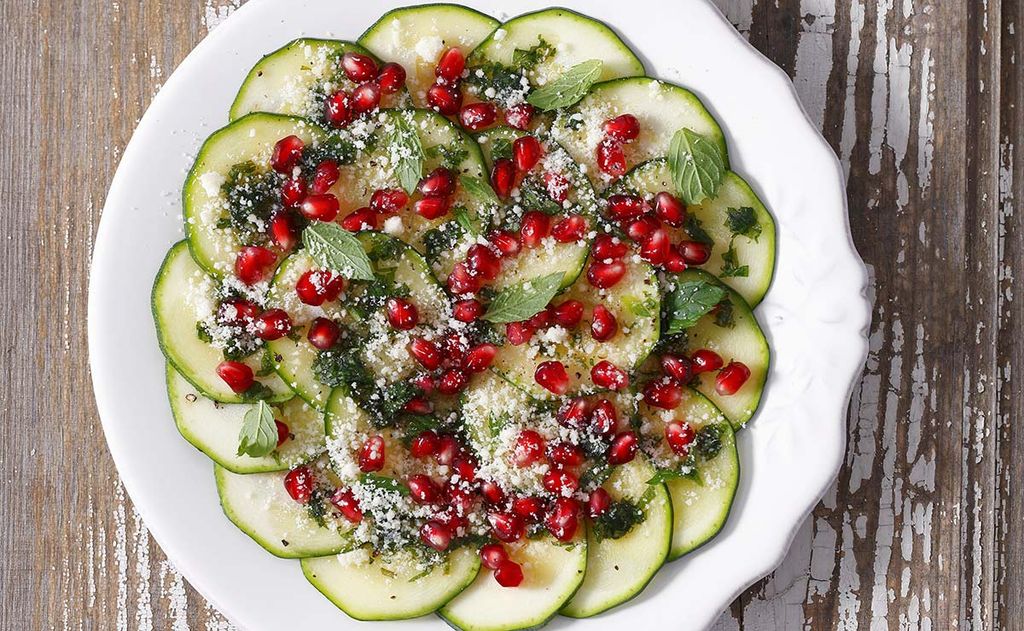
{"points": [[815, 315]]}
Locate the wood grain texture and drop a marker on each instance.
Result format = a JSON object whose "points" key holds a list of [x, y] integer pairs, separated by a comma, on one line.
{"points": [[919, 99]]}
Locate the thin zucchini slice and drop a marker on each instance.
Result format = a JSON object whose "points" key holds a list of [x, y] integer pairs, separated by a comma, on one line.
{"points": [[416, 36], [552, 572], [390, 588], [259, 505], [754, 250], [213, 429], [183, 297], [619, 569]]}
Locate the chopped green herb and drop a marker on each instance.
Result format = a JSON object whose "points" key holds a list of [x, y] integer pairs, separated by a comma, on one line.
{"points": [[696, 230], [723, 314], [452, 155], [501, 149], [441, 240], [708, 441], [384, 483], [617, 521], [730, 264], [743, 221], [253, 195], [534, 56]]}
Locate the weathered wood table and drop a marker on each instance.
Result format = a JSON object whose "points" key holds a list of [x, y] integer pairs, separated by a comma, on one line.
{"points": [[918, 97]]}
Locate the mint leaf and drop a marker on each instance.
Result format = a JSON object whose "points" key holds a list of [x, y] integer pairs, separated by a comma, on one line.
{"points": [[479, 189], [465, 221], [689, 302], [337, 249], [407, 154], [384, 483], [258, 436], [731, 267], [743, 221], [526, 299], [567, 89], [697, 166]]}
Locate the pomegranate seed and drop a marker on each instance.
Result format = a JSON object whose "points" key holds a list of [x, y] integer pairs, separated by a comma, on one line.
{"points": [[467, 310], [520, 116], [237, 312], [731, 378], [322, 207], [607, 375], [422, 489], [679, 436], [557, 186], [432, 207], [529, 508], [656, 247], [358, 68], [466, 468], [459, 497], [283, 232], [253, 263], [623, 128], [389, 201], [446, 99], [603, 325], [366, 97], [663, 393], [506, 242], [402, 314], [526, 152], [479, 358], [447, 447], [338, 109], [425, 352], [418, 406], [492, 555], [299, 484], [695, 252], [704, 360], [293, 191], [669, 209], [237, 375], [371, 456], [462, 281], [551, 375], [611, 159], [677, 367], [598, 503], [323, 334], [561, 482], [608, 247], [272, 324], [506, 527], [315, 287], [451, 520], [483, 262], [478, 116], [423, 445], [572, 228], [509, 574], [563, 520], [529, 448], [567, 454], [439, 183], [287, 153], [347, 504], [674, 262], [391, 78], [534, 227], [627, 207], [604, 419], [604, 275], [518, 333], [622, 449], [424, 382], [453, 348], [325, 176], [450, 66], [539, 320], [503, 177], [568, 314], [436, 535], [453, 381], [492, 493], [639, 229], [574, 413]]}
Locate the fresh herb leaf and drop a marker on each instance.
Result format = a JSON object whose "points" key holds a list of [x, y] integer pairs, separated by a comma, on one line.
{"points": [[384, 483], [465, 221], [336, 249], [730, 264], [407, 154], [203, 333], [266, 364], [533, 195], [479, 189], [617, 521], [258, 436], [689, 302], [743, 221], [501, 149], [723, 314], [532, 57], [696, 230], [258, 391], [441, 240], [521, 301], [452, 155], [708, 441], [664, 475], [569, 88], [697, 166]]}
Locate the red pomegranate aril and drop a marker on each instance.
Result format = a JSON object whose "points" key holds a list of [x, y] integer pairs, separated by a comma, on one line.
{"points": [[283, 232], [624, 128], [627, 207], [518, 333], [540, 320], [389, 201], [603, 325], [557, 186], [316, 287], [604, 419], [656, 247], [491, 492], [402, 314], [669, 209], [561, 482], [462, 281], [483, 261], [534, 227], [446, 99], [425, 352], [639, 230], [574, 413], [325, 176], [322, 207], [568, 314], [366, 97], [272, 324], [287, 153], [551, 376], [439, 183], [674, 262], [598, 503], [418, 406], [506, 242], [611, 158], [604, 275], [567, 454], [704, 360], [358, 68], [623, 448], [391, 78], [436, 535], [237, 375], [679, 436], [432, 207], [453, 381], [677, 367], [529, 448], [460, 498], [529, 508], [451, 520], [237, 312], [424, 382], [563, 520], [694, 252], [323, 334], [492, 555], [447, 447], [299, 484], [509, 574], [480, 357], [371, 456], [506, 526], [338, 109], [663, 393], [731, 378], [347, 504], [424, 444], [605, 374], [572, 228], [293, 191], [253, 263], [503, 177], [283, 434], [467, 310], [520, 116], [478, 116], [526, 153], [608, 247], [450, 65], [422, 489]]}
